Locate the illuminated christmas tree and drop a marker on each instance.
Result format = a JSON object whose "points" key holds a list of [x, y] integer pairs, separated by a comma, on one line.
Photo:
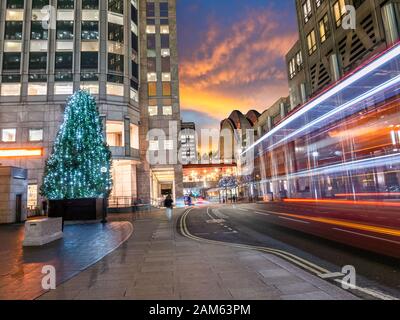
{"points": [[79, 165]]}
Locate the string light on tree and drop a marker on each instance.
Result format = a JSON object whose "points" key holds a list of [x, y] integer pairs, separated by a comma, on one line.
{"points": [[79, 165]]}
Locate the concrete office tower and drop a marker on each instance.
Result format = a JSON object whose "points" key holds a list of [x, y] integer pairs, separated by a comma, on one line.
{"points": [[326, 50], [159, 101], [188, 139], [87, 44]]}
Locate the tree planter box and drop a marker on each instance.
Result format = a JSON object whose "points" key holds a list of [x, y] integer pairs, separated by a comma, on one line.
{"points": [[76, 209]]}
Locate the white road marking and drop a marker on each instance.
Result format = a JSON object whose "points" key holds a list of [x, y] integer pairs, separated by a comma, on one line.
{"points": [[295, 220], [245, 210], [263, 213], [331, 275], [366, 235]]}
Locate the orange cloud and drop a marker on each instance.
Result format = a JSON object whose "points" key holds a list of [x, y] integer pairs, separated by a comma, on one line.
{"points": [[237, 67]]}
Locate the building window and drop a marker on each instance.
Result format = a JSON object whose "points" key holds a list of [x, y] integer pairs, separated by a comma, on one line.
{"points": [[164, 9], [90, 4], [38, 32], [115, 133], [151, 41], [153, 110], [307, 10], [8, 135], [166, 88], [65, 30], [292, 68], [38, 61], [311, 42], [37, 89], [15, 4], [11, 61], [339, 11], [150, 9], [116, 6], [299, 61], [151, 65], [13, 30], [65, 4], [63, 60], [165, 52], [324, 28], [115, 62], [167, 110], [151, 76], [35, 134], [166, 76], [89, 60], [166, 64], [165, 41], [152, 89], [115, 32], [63, 88], [90, 30], [134, 130], [164, 29], [10, 89], [150, 29]]}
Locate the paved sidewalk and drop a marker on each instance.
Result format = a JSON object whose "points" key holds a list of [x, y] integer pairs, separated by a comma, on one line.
{"points": [[82, 245], [158, 263]]}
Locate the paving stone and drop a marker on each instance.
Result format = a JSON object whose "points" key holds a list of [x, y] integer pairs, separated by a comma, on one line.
{"points": [[180, 268]]}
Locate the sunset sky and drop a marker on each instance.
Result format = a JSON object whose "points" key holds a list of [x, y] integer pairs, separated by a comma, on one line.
{"points": [[232, 55]]}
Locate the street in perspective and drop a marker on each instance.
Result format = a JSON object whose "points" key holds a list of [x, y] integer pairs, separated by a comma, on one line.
{"points": [[199, 155]]}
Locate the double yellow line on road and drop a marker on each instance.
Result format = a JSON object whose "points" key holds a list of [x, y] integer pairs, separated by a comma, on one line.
{"points": [[298, 261]]}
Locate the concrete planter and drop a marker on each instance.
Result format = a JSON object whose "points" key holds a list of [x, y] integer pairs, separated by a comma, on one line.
{"points": [[76, 209]]}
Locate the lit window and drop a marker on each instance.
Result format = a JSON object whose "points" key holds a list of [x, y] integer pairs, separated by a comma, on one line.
{"points": [[90, 46], [90, 15], [91, 87], [12, 46], [324, 29], [134, 136], [339, 10], [150, 29], [115, 133], [153, 110], [167, 110], [134, 95], [164, 29], [66, 88], [37, 89], [152, 89], [8, 135], [152, 76], [14, 15], [10, 89], [311, 42], [165, 53], [166, 88], [35, 134], [166, 76], [115, 89], [307, 11], [169, 145]]}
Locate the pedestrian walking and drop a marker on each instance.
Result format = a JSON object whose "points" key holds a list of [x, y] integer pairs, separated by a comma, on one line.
{"points": [[168, 204]]}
